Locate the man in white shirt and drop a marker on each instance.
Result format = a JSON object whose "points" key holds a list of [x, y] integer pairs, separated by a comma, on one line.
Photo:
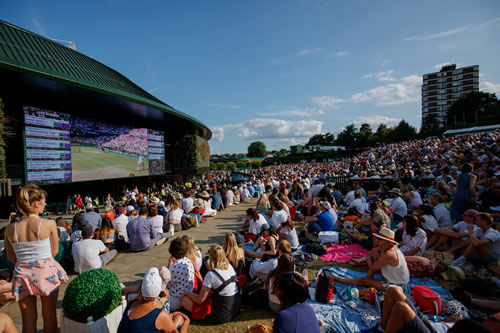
{"points": [[120, 223], [261, 269], [90, 253], [457, 233], [481, 250], [399, 208], [442, 214], [187, 202]]}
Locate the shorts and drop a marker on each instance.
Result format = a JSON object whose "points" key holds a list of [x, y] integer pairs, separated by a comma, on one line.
{"points": [[476, 257], [386, 284], [38, 277]]}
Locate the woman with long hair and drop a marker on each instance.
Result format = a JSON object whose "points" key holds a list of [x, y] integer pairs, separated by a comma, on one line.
{"points": [[263, 206], [222, 282], [414, 237], [31, 243], [285, 265], [174, 216], [427, 219], [255, 222], [107, 233], [234, 254], [194, 254], [287, 231]]}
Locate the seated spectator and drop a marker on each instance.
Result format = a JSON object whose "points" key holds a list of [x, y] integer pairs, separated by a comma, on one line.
{"points": [[90, 253], [237, 198], [481, 250], [216, 200], [261, 269], [457, 234], [145, 313], [234, 254], [285, 265], [357, 203], [256, 221], [91, 217], [320, 222], [107, 233], [263, 206], [142, 233], [156, 219], [221, 281], [427, 219], [120, 223], [399, 209], [295, 314], [414, 237], [279, 215], [265, 246], [174, 217], [194, 254], [207, 202], [387, 259], [7, 324], [64, 229], [400, 315], [287, 231], [187, 201], [441, 213], [108, 212], [182, 272], [76, 227]]}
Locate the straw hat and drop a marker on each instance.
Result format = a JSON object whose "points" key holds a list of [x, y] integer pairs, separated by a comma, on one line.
{"points": [[396, 191], [386, 234], [204, 195]]}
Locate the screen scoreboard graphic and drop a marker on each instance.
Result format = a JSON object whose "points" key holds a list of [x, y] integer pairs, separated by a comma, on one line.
{"points": [[63, 148]]}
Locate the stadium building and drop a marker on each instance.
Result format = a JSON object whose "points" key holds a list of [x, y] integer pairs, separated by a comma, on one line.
{"points": [[79, 125]]}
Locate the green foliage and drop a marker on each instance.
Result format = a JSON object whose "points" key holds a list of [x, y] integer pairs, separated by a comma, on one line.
{"points": [[403, 132], [241, 164], [213, 166], [231, 165], [93, 293], [192, 152], [257, 149], [474, 108], [256, 164], [348, 137], [327, 139], [221, 166]]}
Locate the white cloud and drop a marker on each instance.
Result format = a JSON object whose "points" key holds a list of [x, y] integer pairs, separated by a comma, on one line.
{"points": [[262, 128], [374, 121], [337, 54], [327, 102], [217, 133], [407, 90], [453, 31], [226, 106], [305, 52], [490, 87], [39, 28], [385, 62], [381, 76], [298, 112]]}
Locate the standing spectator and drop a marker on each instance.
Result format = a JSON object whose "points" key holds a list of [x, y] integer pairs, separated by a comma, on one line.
{"points": [[90, 253], [465, 193], [69, 205], [31, 243]]}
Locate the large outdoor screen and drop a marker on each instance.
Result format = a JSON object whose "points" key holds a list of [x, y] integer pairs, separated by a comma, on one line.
{"points": [[63, 148]]}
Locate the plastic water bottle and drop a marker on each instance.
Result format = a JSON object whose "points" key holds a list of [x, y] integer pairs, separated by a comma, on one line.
{"points": [[355, 293]]}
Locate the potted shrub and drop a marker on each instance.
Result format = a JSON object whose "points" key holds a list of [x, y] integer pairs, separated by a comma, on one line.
{"points": [[93, 302]]}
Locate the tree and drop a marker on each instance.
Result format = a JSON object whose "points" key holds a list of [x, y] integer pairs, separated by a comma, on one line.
{"points": [[256, 164], [348, 137], [474, 108], [257, 149], [403, 132], [221, 166], [382, 134], [365, 136], [241, 164], [327, 139], [213, 166], [231, 165], [430, 126]]}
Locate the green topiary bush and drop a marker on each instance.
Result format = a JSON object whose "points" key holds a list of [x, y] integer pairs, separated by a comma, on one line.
{"points": [[93, 293]]}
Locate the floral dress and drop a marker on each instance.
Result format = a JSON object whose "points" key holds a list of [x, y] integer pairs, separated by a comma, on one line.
{"points": [[410, 243]]}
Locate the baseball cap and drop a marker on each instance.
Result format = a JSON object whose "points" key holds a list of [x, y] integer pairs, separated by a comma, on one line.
{"points": [[87, 230], [151, 284], [130, 208], [326, 204]]}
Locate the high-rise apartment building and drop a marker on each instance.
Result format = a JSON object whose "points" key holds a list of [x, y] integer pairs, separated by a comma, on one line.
{"points": [[441, 89]]}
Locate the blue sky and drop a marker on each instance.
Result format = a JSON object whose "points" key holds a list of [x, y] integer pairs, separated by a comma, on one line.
{"points": [[277, 71]]}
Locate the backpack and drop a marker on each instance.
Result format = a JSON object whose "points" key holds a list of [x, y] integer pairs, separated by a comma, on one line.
{"points": [[186, 222], [325, 287], [300, 262], [308, 238], [427, 300], [315, 249], [255, 294]]}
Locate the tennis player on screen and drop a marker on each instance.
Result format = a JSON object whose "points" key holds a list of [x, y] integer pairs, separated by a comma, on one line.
{"points": [[140, 163]]}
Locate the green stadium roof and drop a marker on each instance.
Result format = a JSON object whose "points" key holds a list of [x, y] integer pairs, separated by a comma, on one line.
{"points": [[27, 52]]}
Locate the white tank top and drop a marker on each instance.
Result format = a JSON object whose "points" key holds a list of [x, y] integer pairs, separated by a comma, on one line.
{"points": [[27, 251], [397, 274]]}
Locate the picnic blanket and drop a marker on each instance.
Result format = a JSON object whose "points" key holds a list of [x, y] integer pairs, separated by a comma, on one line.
{"points": [[344, 253], [359, 316]]}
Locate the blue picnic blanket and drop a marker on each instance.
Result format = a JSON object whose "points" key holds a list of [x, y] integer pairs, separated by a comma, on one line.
{"points": [[358, 316]]}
